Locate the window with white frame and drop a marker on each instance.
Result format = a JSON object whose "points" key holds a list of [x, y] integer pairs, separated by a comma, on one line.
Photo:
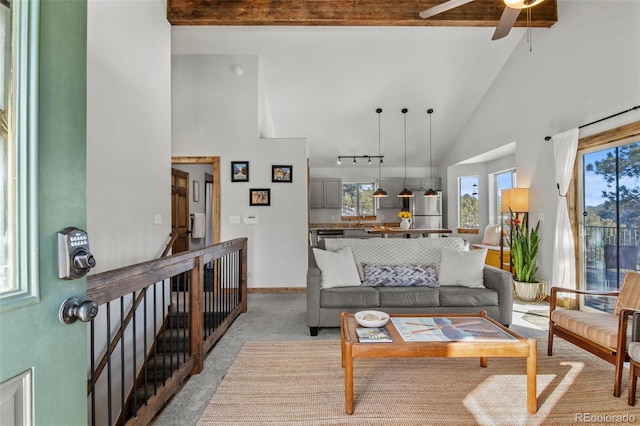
{"points": [[468, 208], [502, 180], [357, 199]]}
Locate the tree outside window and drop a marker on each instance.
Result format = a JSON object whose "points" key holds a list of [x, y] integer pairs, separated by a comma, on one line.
{"points": [[468, 210], [357, 199]]}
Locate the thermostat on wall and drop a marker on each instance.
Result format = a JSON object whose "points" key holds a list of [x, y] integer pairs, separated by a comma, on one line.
{"points": [[251, 220]]}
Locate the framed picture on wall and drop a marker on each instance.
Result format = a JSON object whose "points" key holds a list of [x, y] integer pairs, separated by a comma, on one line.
{"points": [[260, 197], [281, 173], [239, 171]]}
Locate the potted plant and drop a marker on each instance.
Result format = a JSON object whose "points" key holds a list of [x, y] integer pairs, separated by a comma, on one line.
{"points": [[524, 254]]}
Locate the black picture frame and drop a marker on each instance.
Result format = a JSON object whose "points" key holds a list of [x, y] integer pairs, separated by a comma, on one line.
{"points": [[259, 197], [239, 171], [282, 173]]}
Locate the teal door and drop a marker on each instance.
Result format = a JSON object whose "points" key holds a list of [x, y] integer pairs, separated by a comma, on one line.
{"points": [[43, 362]]}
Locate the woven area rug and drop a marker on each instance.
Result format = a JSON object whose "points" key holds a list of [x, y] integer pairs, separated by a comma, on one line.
{"points": [[302, 383]]}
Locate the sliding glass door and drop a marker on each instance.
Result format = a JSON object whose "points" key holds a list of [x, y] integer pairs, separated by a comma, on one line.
{"points": [[611, 218]]}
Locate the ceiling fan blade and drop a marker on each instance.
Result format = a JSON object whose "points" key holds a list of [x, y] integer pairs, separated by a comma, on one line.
{"points": [[507, 20], [448, 5]]}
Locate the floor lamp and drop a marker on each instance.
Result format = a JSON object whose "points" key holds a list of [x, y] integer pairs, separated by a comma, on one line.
{"points": [[514, 200]]}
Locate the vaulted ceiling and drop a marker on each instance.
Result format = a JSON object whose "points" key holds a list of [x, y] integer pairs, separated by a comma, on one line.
{"points": [[328, 64]]}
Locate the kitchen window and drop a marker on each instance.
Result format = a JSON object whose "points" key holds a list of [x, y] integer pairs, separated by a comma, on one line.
{"points": [[357, 200]]}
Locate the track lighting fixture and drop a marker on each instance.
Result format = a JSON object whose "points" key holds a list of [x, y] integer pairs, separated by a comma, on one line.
{"points": [[355, 157]]}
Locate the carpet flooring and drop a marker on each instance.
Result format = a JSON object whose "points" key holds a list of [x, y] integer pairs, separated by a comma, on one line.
{"points": [[302, 383]]}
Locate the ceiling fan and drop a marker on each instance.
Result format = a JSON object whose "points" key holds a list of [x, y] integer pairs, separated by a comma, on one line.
{"points": [[509, 15]]}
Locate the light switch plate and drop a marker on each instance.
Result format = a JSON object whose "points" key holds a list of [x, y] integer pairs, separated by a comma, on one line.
{"points": [[251, 220], [234, 219]]}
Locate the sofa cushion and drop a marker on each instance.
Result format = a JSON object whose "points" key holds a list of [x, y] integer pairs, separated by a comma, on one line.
{"points": [[462, 268], [395, 251], [466, 296], [338, 268], [492, 234], [408, 297], [399, 275], [349, 297]]}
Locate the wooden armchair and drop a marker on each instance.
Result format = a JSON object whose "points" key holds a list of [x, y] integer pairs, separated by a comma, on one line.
{"points": [[604, 335], [634, 354]]}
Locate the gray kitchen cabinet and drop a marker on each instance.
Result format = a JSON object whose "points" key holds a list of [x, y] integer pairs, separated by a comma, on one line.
{"points": [[333, 193], [316, 193], [325, 193], [393, 186], [422, 183]]}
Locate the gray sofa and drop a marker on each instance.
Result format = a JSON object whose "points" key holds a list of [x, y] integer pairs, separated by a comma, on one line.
{"points": [[494, 295]]}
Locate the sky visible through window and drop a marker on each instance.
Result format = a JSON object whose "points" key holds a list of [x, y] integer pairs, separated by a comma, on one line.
{"points": [[595, 184]]}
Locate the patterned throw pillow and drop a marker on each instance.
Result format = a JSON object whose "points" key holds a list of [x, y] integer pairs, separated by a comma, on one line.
{"points": [[399, 275]]}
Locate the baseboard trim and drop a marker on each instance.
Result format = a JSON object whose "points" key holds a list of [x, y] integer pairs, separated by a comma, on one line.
{"points": [[275, 290]]}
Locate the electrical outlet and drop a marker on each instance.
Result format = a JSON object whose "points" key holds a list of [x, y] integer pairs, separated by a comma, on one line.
{"points": [[157, 219]]}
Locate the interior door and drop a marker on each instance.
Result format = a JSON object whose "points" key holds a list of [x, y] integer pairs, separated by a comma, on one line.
{"points": [[180, 209], [42, 361]]}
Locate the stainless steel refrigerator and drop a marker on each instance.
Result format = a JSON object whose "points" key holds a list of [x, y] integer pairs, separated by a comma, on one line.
{"points": [[426, 211]]}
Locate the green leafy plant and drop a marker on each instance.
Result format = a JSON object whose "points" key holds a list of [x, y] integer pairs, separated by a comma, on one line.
{"points": [[524, 249]]}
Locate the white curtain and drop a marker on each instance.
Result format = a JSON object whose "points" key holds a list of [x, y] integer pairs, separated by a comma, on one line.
{"points": [[565, 146]]}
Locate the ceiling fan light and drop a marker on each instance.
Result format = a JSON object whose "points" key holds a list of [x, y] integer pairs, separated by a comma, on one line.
{"points": [[521, 4], [380, 193]]}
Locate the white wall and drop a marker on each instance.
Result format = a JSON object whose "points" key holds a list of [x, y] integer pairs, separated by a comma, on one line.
{"points": [[215, 113], [584, 68], [128, 140], [128, 131]]}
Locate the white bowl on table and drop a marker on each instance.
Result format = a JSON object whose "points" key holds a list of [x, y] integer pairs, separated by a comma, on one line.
{"points": [[372, 318]]}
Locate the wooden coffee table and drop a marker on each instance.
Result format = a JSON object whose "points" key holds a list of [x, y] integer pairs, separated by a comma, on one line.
{"points": [[484, 338]]}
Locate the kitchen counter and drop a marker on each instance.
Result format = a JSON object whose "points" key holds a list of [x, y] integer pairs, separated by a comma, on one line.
{"points": [[384, 231], [351, 225]]}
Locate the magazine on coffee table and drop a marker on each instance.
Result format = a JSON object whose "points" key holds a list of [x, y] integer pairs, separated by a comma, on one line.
{"points": [[448, 329], [378, 335]]}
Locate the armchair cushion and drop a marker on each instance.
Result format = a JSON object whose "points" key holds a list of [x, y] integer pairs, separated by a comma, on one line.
{"points": [[600, 328], [634, 351], [629, 296]]}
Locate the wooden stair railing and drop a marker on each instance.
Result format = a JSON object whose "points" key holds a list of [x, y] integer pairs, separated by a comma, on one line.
{"points": [[212, 287], [118, 336]]}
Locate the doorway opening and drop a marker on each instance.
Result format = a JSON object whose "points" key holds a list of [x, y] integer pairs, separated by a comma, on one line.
{"points": [[195, 202]]}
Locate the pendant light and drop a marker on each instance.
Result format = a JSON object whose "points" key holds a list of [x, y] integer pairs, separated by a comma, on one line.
{"points": [[405, 193], [430, 192], [380, 193]]}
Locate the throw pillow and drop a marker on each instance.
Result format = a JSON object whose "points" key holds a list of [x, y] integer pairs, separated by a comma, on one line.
{"points": [[400, 275], [338, 268], [492, 235], [462, 268]]}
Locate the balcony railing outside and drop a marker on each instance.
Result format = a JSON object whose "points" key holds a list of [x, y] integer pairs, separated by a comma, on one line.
{"points": [[157, 321], [609, 253]]}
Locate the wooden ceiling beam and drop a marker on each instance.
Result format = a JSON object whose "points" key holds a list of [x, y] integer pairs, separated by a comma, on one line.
{"points": [[478, 13]]}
